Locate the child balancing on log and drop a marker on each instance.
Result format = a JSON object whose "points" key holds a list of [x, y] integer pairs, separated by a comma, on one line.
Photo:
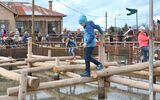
{"points": [[71, 44], [89, 44]]}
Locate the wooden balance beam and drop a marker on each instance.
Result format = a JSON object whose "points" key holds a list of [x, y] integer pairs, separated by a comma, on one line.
{"points": [[34, 69], [20, 63], [42, 59], [8, 60], [80, 80], [54, 84], [5, 97], [122, 70], [58, 69], [33, 82]]}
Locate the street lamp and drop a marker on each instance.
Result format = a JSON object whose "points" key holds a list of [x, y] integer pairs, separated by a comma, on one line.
{"points": [[115, 21]]}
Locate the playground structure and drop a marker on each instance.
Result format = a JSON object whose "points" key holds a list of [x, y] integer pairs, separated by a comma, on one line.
{"points": [[66, 66]]}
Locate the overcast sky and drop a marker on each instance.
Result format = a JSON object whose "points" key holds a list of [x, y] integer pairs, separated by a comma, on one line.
{"points": [[95, 10]]}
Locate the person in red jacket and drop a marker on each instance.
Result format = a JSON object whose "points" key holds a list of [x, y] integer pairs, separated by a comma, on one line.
{"points": [[143, 42]]}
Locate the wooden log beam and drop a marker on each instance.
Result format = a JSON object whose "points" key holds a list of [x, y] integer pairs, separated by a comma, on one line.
{"points": [[34, 69], [4, 58], [42, 59], [13, 64], [5, 97], [122, 70], [83, 62], [42, 64], [59, 69], [133, 83], [80, 80], [8, 60], [54, 84], [33, 82], [39, 56]]}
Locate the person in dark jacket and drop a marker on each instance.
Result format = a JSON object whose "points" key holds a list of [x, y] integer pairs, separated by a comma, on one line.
{"points": [[25, 37], [71, 44], [129, 34], [89, 44], [120, 35]]}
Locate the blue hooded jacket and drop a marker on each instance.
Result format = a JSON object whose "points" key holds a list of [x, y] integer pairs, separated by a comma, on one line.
{"points": [[71, 43], [89, 35]]}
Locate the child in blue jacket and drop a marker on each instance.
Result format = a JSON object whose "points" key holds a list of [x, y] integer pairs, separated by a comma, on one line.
{"points": [[89, 44], [70, 44]]}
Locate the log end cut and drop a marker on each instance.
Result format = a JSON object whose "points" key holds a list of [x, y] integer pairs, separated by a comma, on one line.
{"points": [[94, 74], [34, 83], [55, 69]]}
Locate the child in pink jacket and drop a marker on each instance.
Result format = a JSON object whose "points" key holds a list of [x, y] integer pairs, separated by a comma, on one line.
{"points": [[143, 43]]}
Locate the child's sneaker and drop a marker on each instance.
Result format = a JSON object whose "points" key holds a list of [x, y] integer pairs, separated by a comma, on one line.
{"points": [[74, 57], [85, 75], [99, 67]]}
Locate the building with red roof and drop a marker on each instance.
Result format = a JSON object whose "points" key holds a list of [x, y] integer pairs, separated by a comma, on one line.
{"points": [[19, 15]]}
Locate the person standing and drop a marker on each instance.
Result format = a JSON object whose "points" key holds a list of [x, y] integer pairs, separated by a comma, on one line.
{"points": [[143, 43], [120, 35], [25, 37], [129, 34], [39, 36], [16, 36], [89, 44], [111, 36], [4, 36]]}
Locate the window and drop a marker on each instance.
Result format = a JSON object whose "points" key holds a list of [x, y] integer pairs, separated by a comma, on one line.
{"points": [[50, 26], [36, 27], [20, 26]]}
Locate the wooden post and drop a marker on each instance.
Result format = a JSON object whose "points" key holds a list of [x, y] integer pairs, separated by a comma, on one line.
{"points": [[23, 86], [49, 53], [10, 67], [101, 88], [101, 80], [130, 54], [101, 52], [56, 75], [29, 52]]}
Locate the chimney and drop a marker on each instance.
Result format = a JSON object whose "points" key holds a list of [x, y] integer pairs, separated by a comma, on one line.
{"points": [[50, 5]]}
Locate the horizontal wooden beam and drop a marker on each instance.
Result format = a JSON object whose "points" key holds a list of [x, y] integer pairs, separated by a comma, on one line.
{"points": [[20, 63], [80, 80], [8, 60], [34, 69], [5, 97], [33, 82], [58, 69], [54, 84], [42, 59], [122, 70]]}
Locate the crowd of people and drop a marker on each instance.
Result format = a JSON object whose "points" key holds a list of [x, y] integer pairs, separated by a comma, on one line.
{"points": [[66, 37]]}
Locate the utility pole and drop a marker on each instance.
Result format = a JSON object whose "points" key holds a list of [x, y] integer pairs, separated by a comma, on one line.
{"points": [[33, 35], [115, 21], [106, 20], [151, 50], [137, 20]]}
